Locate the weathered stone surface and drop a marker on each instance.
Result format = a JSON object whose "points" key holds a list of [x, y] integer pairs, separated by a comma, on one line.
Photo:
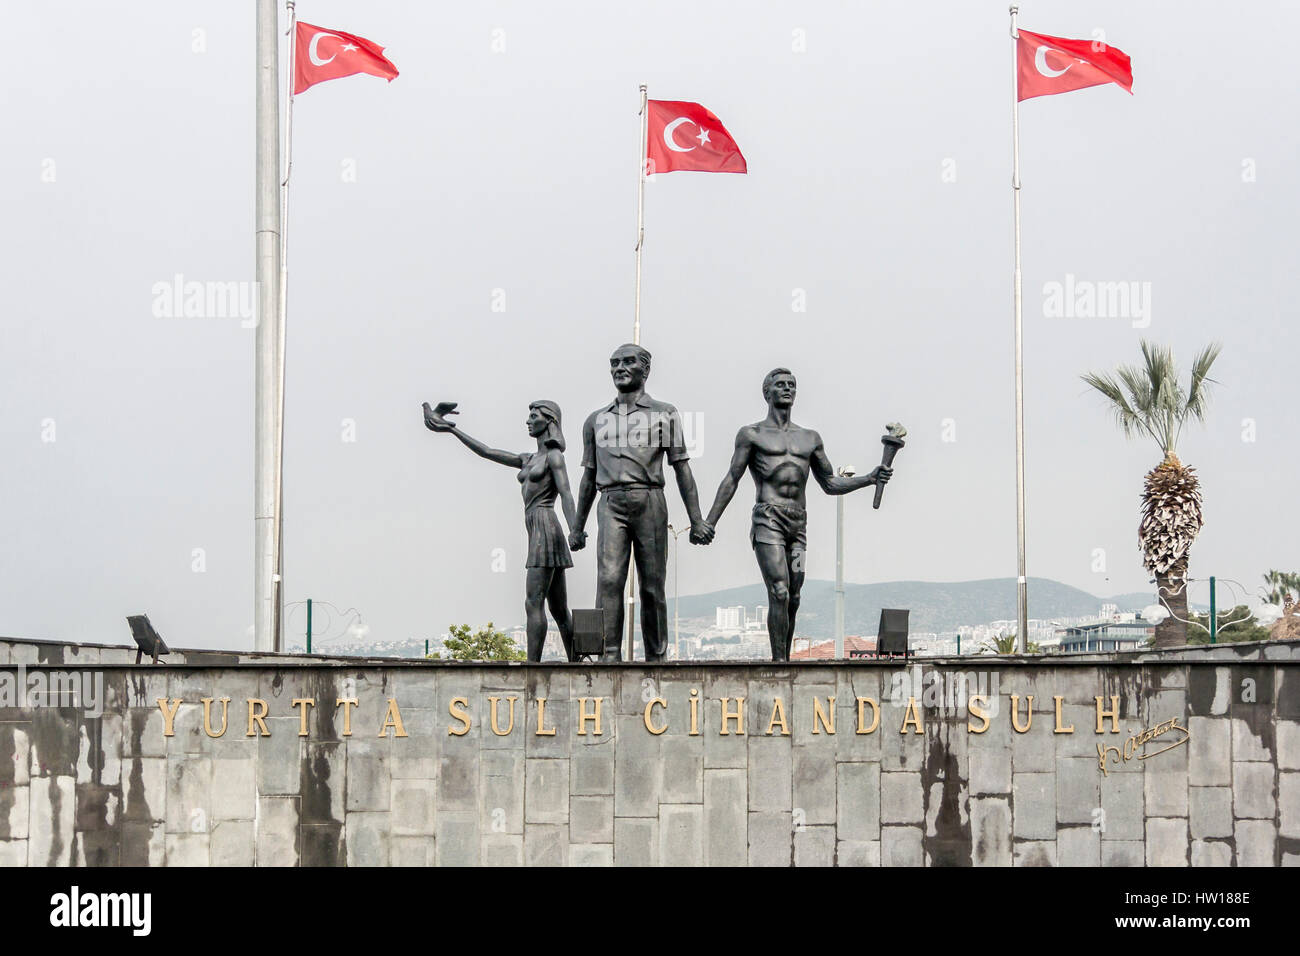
{"points": [[901, 798], [1208, 763], [457, 842], [546, 791], [231, 843], [901, 846], [1252, 790], [1078, 846], [857, 853], [1119, 853], [1034, 806], [771, 767], [1288, 804], [680, 835], [1211, 853], [412, 811], [51, 811], [771, 839], [1035, 853], [1256, 843], [858, 802], [990, 819], [591, 854], [636, 841], [278, 835], [112, 790], [503, 849], [814, 846], [546, 844], [1167, 843], [1078, 790], [1210, 812], [1165, 793], [591, 819]]}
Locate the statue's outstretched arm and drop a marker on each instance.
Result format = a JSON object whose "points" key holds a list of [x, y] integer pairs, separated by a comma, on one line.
{"points": [[834, 484], [436, 419]]}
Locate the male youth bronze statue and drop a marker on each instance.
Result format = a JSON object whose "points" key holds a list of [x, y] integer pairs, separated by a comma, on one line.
{"points": [[623, 448], [779, 455]]}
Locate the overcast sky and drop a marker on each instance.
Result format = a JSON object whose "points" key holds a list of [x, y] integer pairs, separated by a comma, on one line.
{"points": [[878, 139]]}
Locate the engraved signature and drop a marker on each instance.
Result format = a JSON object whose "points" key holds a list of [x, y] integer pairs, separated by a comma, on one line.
{"points": [[1139, 741]]}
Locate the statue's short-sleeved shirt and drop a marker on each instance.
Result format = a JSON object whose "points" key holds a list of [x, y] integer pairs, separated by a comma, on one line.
{"points": [[626, 444]]}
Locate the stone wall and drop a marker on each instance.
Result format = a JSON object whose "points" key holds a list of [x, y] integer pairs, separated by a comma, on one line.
{"points": [[79, 788]]}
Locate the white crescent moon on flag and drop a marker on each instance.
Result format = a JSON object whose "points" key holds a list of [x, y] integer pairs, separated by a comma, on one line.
{"points": [[1040, 62], [315, 57], [668, 135]]}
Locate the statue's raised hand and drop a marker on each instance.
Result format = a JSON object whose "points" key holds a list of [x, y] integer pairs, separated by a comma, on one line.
{"points": [[435, 419]]}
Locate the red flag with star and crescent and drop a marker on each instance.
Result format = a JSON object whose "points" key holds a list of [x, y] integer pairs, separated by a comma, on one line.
{"points": [[330, 54], [687, 136], [1047, 65]]}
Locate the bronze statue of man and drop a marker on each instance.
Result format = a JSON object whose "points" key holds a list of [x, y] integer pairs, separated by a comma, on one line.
{"points": [[779, 455], [623, 448]]}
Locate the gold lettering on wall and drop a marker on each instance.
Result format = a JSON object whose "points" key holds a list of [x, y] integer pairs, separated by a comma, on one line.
{"points": [[207, 716], [976, 707], [1060, 721], [300, 702], [456, 707], [1113, 714], [496, 726], [695, 713], [862, 713], [168, 715], [913, 717], [541, 720], [778, 717], [257, 715], [585, 715], [393, 718], [1015, 713], [649, 724], [347, 703], [820, 718], [738, 715]]}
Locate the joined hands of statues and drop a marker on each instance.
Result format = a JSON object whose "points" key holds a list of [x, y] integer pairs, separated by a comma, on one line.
{"points": [[435, 419], [701, 533], [577, 540]]}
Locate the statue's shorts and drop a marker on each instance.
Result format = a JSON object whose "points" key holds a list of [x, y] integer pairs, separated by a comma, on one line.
{"points": [[784, 525]]}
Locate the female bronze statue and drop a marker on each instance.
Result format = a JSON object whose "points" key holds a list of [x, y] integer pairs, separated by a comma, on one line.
{"points": [[543, 477]]}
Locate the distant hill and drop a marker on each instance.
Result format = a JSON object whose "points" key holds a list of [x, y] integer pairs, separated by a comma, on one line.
{"points": [[935, 606]]}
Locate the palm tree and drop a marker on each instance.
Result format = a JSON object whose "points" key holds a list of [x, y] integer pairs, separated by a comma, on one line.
{"points": [[1147, 399], [1280, 585]]}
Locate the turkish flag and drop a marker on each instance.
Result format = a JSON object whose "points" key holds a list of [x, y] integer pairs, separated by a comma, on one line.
{"points": [[1047, 65], [329, 54], [687, 136]]}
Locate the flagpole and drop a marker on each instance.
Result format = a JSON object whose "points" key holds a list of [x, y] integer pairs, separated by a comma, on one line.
{"points": [[644, 113], [283, 312], [267, 242], [1022, 596]]}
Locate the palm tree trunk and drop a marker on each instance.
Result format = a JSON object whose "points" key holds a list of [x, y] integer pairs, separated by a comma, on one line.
{"points": [[1171, 589]]}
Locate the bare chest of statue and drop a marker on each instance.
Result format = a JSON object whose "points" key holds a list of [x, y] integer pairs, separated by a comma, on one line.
{"points": [[780, 461]]}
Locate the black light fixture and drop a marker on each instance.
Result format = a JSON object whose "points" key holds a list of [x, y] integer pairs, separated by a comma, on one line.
{"points": [[891, 637], [588, 633], [148, 641]]}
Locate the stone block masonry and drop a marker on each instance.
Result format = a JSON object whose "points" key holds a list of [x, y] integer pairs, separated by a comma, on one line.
{"points": [[218, 759]]}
